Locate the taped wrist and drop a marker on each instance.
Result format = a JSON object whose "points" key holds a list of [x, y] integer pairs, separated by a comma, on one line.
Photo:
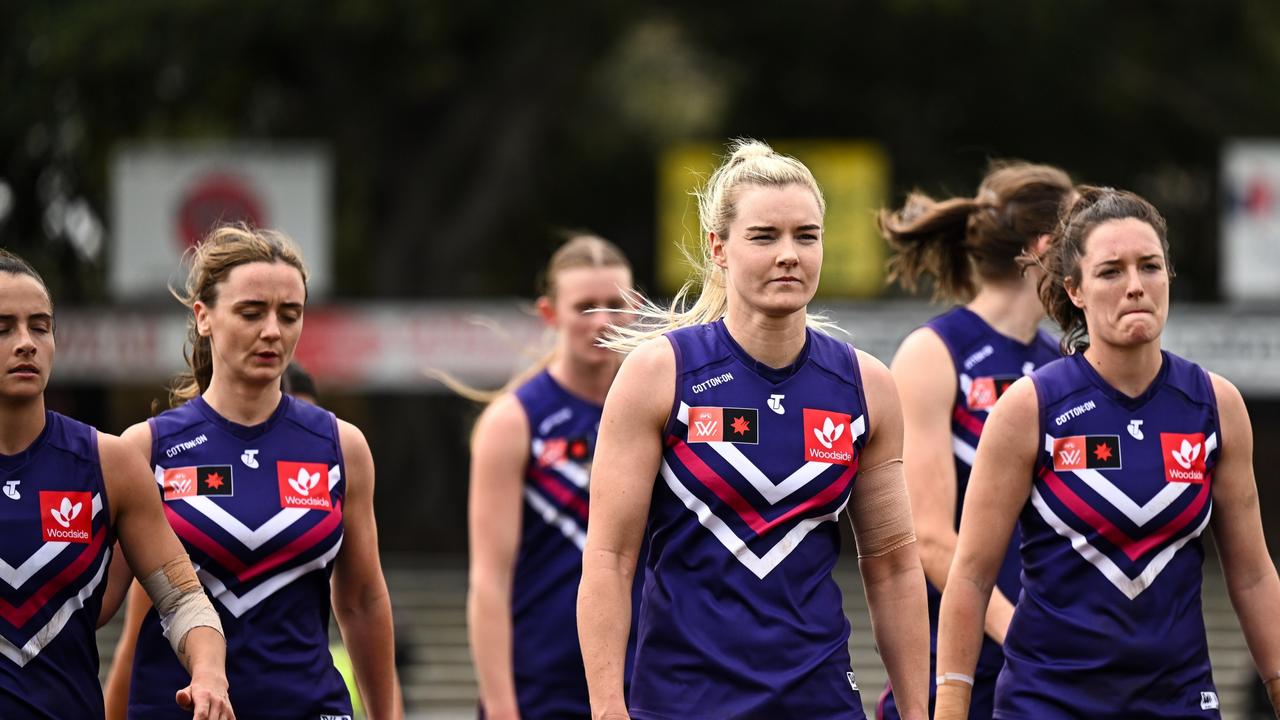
{"points": [[180, 601], [952, 701], [880, 511]]}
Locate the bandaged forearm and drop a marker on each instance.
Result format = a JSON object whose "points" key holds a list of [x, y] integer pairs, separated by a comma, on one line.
{"points": [[176, 593], [880, 511]]}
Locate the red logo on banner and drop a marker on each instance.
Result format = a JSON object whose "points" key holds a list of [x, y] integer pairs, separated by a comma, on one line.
{"points": [[303, 485], [1184, 456], [66, 516], [828, 437], [217, 199]]}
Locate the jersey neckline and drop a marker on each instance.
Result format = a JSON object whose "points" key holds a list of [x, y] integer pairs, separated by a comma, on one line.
{"points": [[567, 393], [1130, 403], [768, 373], [1028, 346], [243, 432]]}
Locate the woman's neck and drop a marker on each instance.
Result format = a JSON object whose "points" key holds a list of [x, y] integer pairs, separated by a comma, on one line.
{"points": [[774, 341], [1012, 308], [20, 424], [1129, 369], [589, 381], [241, 403]]}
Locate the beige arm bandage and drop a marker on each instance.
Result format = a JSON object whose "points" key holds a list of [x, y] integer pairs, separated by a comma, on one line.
{"points": [[880, 511], [178, 597]]}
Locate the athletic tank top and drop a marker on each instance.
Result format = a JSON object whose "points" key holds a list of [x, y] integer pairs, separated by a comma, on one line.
{"points": [[986, 363], [740, 616], [57, 543], [259, 509], [546, 658], [1109, 623]]}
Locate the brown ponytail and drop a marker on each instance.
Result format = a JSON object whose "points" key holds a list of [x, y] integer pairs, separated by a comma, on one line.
{"points": [[952, 240]]}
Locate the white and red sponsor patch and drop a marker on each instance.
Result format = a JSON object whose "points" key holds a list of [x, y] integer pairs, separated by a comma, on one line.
{"points": [[66, 516], [828, 437], [1184, 457], [706, 424], [180, 482], [982, 393], [303, 485]]}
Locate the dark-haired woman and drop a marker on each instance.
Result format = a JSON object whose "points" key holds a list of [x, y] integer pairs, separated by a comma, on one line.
{"points": [[970, 248], [1114, 456], [68, 490], [272, 497]]}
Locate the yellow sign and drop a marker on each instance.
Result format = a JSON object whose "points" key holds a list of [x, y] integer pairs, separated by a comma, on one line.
{"points": [[854, 177]]}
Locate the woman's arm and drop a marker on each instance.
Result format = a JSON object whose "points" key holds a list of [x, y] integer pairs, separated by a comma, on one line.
{"points": [[928, 399], [627, 457], [891, 574], [499, 451], [361, 604], [998, 489], [1250, 574], [156, 556]]}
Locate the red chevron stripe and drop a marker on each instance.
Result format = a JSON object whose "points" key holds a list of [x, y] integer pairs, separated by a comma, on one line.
{"points": [[197, 538], [741, 505], [968, 420], [18, 616], [1134, 549], [300, 544], [555, 488]]}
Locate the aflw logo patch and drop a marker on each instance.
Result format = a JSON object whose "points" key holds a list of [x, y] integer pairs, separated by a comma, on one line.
{"points": [[984, 391], [192, 481], [303, 485], [1081, 452], [828, 437], [66, 516], [577, 449], [731, 425], [1184, 456]]}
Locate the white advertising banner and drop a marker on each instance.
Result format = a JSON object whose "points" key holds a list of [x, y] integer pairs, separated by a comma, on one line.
{"points": [[392, 346], [165, 197], [1251, 220]]}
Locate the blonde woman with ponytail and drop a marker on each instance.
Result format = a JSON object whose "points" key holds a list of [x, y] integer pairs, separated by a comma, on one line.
{"points": [[273, 499], [527, 512], [735, 435]]}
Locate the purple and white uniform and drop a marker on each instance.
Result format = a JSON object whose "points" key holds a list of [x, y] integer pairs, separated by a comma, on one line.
{"points": [[740, 616]]}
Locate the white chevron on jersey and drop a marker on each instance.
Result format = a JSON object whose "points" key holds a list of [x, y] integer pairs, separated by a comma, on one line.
{"points": [[963, 450], [252, 539], [1130, 587], [560, 521], [45, 635], [572, 471], [752, 474], [15, 577], [1139, 514], [238, 604], [759, 566]]}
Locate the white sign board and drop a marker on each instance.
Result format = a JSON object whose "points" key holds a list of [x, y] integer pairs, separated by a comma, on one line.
{"points": [[165, 197], [1251, 220]]}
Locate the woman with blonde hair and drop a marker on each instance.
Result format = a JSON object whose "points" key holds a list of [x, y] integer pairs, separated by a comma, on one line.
{"points": [[530, 462], [970, 248], [272, 497], [735, 434]]}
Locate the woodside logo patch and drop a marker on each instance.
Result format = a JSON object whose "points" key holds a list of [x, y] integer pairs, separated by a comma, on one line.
{"points": [[1184, 456], [303, 485], [66, 516], [828, 437]]}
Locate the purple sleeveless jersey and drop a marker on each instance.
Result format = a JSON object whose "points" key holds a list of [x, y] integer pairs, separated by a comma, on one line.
{"points": [[985, 363], [740, 616], [547, 660], [57, 543], [1109, 623], [259, 509]]}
